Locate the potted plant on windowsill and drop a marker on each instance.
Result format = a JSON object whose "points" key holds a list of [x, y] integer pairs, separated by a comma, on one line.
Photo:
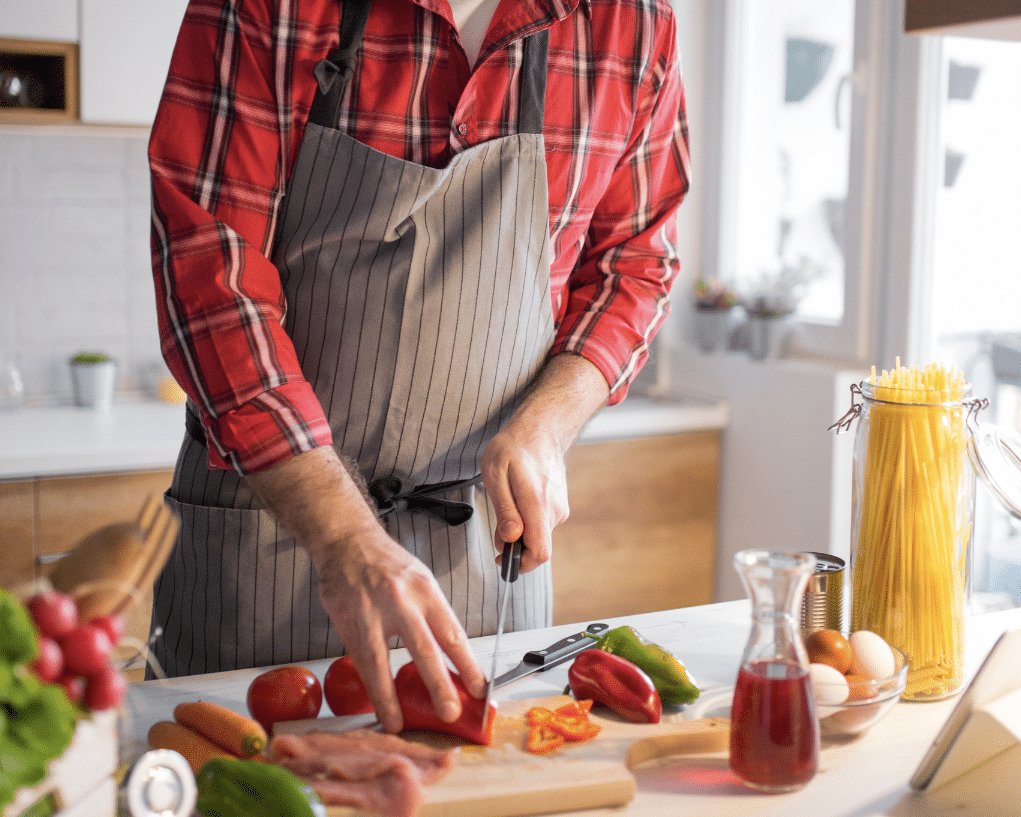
{"points": [[770, 306], [93, 378], [714, 304]]}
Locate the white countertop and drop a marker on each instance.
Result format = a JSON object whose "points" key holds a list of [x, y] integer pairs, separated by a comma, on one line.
{"points": [[138, 436], [59, 440], [866, 777]]}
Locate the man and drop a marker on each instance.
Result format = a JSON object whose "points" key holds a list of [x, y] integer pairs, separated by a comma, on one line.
{"points": [[395, 287]]}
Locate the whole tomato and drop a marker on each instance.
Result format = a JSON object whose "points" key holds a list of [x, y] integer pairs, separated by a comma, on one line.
{"points": [[284, 694], [344, 690]]}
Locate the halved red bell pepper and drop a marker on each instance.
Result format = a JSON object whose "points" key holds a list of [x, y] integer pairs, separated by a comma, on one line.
{"points": [[616, 683], [417, 707]]}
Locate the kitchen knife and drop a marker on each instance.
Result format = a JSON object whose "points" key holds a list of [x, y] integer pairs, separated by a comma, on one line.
{"points": [[554, 655], [509, 573]]}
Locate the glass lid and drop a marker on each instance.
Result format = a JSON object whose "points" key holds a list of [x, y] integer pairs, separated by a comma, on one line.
{"points": [[996, 454]]}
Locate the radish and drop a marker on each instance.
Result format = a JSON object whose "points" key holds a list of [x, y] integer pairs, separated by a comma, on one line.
{"points": [[55, 614]]}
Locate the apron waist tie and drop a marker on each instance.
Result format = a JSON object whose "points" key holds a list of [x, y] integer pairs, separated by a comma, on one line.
{"points": [[391, 495]]}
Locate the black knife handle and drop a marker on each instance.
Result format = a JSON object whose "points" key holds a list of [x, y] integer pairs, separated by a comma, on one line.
{"points": [[556, 654], [511, 562]]}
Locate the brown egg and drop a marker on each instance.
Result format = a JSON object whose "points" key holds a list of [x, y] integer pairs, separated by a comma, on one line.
{"points": [[861, 688], [829, 647]]}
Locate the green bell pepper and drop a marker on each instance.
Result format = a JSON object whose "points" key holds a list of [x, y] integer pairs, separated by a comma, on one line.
{"points": [[668, 674], [248, 788]]}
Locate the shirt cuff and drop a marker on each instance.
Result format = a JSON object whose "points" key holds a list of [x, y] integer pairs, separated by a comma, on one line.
{"points": [[273, 426]]}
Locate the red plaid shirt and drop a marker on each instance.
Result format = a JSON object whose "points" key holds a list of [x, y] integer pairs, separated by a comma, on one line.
{"points": [[231, 121]]}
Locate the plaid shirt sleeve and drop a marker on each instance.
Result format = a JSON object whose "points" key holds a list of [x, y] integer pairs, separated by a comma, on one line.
{"points": [[618, 294], [219, 153]]}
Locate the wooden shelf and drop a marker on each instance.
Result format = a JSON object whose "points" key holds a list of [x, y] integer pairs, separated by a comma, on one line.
{"points": [[56, 65], [995, 19]]}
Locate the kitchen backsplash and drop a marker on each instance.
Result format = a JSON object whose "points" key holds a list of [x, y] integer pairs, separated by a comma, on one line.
{"points": [[74, 257]]}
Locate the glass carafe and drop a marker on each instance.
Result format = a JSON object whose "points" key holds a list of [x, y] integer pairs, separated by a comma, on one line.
{"points": [[774, 733]]}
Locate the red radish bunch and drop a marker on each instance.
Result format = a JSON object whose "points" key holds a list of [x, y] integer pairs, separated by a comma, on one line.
{"points": [[77, 655]]}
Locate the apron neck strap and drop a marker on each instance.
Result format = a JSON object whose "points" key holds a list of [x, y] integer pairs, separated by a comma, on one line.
{"points": [[334, 73], [532, 99]]}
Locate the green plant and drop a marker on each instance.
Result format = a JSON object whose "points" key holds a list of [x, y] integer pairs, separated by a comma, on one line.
{"points": [[91, 357], [711, 294]]}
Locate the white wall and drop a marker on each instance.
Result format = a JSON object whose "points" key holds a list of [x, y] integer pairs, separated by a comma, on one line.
{"points": [[74, 256]]}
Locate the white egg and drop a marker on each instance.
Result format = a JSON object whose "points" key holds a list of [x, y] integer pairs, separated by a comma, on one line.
{"points": [[871, 656], [829, 687]]}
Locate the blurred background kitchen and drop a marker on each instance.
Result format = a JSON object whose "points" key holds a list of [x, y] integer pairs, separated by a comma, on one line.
{"points": [[854, 189]]}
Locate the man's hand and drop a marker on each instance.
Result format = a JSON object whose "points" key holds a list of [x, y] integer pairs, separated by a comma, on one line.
{"points": [[523, 465], [371, 587]]}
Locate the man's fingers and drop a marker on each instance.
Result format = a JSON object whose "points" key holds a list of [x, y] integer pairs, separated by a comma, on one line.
{"points": [[372, 660], [509, 525], [538, 539], [426, 654], [454, 642]]}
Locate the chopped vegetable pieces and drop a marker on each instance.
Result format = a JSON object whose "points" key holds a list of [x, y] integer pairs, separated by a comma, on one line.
{"points": [[550, 729]]}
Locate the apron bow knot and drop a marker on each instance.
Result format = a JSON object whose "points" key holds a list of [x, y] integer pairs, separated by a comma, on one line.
{"points": [[391, 495]]}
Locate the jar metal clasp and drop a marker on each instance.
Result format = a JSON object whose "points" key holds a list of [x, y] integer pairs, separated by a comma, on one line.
{"points": [[847, 420]]}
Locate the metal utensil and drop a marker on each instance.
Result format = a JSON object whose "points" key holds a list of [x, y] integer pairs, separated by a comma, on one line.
{"points": [[554, 655], [509, 567]]}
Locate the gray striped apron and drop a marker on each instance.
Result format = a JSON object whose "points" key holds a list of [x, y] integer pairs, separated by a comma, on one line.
{"points": [[419, 306]]}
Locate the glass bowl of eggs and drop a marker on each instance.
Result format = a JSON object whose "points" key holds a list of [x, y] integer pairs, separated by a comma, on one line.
{"points": [[856, 680]]}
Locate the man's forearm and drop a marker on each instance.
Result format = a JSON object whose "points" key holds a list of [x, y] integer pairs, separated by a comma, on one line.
{"points": [[316, 498], [567, 392]]}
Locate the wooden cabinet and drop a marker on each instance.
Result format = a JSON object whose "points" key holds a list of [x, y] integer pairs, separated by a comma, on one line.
{"points": [[44, 518], [125, 53], [642, 531], [994, 19]]}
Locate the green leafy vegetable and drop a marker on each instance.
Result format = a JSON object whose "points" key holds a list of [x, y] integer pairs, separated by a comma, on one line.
{"points": [[37, 720], [18, 642]]}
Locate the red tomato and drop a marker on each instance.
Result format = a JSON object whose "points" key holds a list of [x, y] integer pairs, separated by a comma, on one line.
{"points": [[105, 690], [112, 625], [86, 650], [284, 694], [50, 662], [74, 686], [345, 693], [55, 614]]}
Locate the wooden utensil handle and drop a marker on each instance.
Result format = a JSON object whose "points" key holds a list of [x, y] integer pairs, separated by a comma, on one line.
{"points": [[692, 738]]}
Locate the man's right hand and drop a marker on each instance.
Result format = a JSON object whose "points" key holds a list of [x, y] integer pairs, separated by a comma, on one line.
{"points": [[371, 587]]}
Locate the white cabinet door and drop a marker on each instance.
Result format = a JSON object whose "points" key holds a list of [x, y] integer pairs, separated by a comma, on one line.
{"points": [[39, 20], [125, 52]]}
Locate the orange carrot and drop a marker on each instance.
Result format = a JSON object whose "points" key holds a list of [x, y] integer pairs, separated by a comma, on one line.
{"points": [[196, 749], [230, 731]]}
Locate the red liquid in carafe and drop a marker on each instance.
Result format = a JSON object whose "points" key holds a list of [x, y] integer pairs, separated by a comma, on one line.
{"points": [[774, 735]]}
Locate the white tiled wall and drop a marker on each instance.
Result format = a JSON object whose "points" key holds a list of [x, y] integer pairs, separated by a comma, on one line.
{"points": [[75, 273]]}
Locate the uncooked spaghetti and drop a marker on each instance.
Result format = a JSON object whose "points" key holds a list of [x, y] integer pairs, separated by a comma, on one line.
{"points": [[913, 532]]}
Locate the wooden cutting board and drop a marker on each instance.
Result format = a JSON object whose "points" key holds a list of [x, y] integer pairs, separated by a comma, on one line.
{"points": [[503, 780]]}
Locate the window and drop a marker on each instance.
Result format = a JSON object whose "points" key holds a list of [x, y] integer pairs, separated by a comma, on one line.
{"points": [[973, 308], [793, 161]]}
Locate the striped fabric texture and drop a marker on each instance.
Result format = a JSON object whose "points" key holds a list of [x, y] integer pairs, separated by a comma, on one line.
{"points": [[226, 138]]}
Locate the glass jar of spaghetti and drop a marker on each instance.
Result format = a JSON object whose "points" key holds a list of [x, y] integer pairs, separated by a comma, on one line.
{"points": [[913, 499]]}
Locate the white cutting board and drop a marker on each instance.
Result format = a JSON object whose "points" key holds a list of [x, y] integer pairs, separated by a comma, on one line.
{"points": [[503, 780]]}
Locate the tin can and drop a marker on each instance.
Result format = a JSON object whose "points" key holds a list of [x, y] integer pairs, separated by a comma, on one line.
{"points": [[822, 607]]}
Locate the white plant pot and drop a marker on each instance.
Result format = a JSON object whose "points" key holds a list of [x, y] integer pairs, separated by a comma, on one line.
{"points": [[768, 336], [94, 384], [713, 328]]}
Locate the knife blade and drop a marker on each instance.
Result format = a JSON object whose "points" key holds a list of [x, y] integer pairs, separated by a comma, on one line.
{"points": [[552, 656], [509, 573]]}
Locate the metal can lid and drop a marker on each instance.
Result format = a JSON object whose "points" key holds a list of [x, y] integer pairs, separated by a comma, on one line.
{"points": [[161, 784]]}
